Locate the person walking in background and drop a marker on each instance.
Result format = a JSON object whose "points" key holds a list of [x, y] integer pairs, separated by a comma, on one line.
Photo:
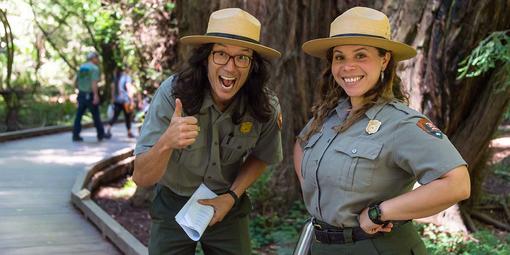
{"points": [[361, 153], [214, 123], [122, 99], [86, 82]]}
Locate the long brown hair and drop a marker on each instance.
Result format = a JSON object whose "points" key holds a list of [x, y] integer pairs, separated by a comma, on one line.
{"points": [[390, 88]]}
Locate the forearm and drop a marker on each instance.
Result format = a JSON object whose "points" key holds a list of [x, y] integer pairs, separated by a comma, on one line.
{"points": [[95, 89], [429, 199], [250, 172], [151, 165]]}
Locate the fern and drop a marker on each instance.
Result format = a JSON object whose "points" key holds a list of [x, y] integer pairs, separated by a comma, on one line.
{"points": [[490, 51]]}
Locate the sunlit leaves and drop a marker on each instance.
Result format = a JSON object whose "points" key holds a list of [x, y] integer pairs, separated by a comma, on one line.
{"points": [[493, 50]]}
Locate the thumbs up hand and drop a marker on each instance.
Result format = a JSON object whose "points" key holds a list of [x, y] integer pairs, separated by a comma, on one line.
{"points": [[178, 109], [182, 131]]}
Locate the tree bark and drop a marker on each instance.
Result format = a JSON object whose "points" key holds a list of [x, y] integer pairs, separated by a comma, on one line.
{"points": [[10, 95], [444, 33]]}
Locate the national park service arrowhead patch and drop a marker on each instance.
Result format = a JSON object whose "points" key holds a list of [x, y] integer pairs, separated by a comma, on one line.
{"points": [[280, 120], [429, 128]]}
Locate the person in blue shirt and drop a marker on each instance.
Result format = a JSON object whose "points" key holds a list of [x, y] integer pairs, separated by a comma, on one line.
{"points": [[122, 100], [86, 82]]}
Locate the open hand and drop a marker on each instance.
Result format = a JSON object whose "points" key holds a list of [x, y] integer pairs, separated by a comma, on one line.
{"points": [[222, 204], [95, 99]]}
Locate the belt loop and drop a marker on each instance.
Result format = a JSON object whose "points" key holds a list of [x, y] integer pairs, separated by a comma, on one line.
{"points": [[347, 235]]}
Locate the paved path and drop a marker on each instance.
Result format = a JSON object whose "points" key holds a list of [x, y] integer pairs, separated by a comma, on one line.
{"points": [[36, 177]]}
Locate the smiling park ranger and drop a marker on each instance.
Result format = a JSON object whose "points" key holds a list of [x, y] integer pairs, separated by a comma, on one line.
{"points": [[214, 122], [363, 150]]}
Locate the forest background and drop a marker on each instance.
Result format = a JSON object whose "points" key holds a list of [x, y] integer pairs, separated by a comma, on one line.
{"points": [[460, 79]]}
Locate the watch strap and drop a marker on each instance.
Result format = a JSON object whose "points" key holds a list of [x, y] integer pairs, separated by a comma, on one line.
{"points": [[234, 196], [374, 214]]}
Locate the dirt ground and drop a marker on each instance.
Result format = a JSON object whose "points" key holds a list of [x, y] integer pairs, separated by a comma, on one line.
{"points": [[116, 204]]}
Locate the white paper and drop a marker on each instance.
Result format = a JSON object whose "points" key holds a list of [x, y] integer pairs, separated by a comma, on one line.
{"points": [[194, 217]]}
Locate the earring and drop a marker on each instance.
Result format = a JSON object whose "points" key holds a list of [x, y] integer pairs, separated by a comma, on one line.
{"points": [[382, 76]]}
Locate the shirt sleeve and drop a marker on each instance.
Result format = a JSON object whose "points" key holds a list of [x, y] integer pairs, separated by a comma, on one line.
{"points": [[301, 136], [269, 145], [425, 153], [157, 118]]}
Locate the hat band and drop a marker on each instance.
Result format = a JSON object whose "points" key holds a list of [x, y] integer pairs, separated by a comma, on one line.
{"points": [[231, 36], [376, 36]]}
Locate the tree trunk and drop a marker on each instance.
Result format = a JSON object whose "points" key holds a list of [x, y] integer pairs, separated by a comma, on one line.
{"points": [[109, 65], [12, 105], [443, 32]]}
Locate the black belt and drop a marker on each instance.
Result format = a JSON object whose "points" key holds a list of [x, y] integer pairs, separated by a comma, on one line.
{"points": [[328, 234]]}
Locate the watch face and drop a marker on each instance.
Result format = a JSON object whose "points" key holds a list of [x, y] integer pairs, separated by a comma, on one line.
{"points": [[372, 213]]}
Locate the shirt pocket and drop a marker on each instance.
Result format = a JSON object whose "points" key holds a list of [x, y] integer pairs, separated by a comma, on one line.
{"points": [[306, 163], [192, 156], [360, 162], [234, 148]]}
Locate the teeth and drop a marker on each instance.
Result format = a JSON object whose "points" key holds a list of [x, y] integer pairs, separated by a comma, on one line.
{"points": [[227, 78], [352, 79]]}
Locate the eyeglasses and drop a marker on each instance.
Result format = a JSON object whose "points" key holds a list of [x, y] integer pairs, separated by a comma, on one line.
{"points": [[222, 58]]}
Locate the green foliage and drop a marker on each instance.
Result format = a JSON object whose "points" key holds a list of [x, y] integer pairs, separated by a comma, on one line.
{"points": [[269, 228], [42, 113], [482, 242], [258, 192], [281, 232], [491, 50]]}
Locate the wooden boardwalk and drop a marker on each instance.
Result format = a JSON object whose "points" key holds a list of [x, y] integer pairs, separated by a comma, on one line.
{"points": [[36, 177]]}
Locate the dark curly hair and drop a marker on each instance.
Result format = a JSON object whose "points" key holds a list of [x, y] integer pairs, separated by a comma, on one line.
{"points": [[192, 84]]}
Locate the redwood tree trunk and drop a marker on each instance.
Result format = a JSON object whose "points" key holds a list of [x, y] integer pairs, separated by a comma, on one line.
{"points": [[443, 32]]}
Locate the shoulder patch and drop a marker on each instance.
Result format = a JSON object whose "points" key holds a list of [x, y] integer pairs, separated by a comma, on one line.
{"points": [[429, 128], [280, 120]]}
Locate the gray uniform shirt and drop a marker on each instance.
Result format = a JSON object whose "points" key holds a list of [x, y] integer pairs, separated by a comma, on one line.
{"points": [[220, 148], [343, 173]]}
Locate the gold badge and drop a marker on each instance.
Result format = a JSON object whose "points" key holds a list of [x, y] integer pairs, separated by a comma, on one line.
{"points": [[246, 127], [373, 126]]}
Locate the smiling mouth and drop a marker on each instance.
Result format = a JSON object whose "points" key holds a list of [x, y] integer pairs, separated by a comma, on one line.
{"points": [[352, 79], [227, 82]]}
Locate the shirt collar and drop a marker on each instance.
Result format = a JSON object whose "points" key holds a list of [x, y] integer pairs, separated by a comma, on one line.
{"points": [[344, 105], [372, 112], [208, 102]]}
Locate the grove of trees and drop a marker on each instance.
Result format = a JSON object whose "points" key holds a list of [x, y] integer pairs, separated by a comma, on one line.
{"points": [[460, 77]]}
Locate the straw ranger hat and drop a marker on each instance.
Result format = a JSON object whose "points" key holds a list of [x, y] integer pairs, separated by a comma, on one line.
{"points": [[360, 26], [235, 27]]}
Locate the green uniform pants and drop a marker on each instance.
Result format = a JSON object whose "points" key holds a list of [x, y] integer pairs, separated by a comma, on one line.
{"points": [[402, 240], [228, 237]]}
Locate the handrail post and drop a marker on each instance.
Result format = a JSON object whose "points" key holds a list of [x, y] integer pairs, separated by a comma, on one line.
{"points": [[305, 239]]}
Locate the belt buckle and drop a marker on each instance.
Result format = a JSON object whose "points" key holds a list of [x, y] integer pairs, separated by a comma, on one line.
{"points": [[317, 226]]}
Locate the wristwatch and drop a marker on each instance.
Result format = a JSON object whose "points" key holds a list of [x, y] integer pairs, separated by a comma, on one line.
{"points": [[234, 196], [374, 214]]}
